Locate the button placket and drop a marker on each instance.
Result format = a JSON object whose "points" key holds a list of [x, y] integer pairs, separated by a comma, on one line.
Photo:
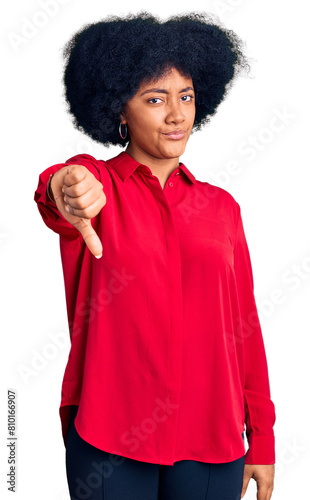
{"points": [[173, 386], [174, 174]]}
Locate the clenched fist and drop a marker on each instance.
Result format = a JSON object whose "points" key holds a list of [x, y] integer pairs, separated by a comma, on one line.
{"points": [[79, 197]]}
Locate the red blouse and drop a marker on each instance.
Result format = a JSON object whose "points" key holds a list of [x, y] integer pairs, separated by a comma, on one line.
{"points": [[167, 360]]}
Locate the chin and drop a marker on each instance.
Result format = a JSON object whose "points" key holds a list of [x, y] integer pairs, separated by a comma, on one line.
{"points": [[175, 149], [175, 152]]}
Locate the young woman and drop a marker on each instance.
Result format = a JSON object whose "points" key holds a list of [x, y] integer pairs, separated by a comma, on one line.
{"points": [[167, 363]]}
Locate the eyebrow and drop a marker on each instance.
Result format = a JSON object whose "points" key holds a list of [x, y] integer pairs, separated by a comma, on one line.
{"points": [[164, 91]]}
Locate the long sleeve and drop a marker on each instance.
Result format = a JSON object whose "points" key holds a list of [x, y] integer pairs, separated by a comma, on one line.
{"points": [[48, 210], [259, 408]]}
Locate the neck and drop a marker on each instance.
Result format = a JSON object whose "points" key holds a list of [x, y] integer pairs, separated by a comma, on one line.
{"points": [[161, 167]]}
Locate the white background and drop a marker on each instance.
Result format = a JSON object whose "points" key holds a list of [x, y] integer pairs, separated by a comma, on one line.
{"points": [[272, 187]]}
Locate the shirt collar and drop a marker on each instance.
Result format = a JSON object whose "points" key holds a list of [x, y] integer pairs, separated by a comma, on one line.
{"points": [[125, 165]]}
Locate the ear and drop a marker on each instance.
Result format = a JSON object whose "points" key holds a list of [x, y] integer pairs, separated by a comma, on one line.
{"points": [[123, 118]]}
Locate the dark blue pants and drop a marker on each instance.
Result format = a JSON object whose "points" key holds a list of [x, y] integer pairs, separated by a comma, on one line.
{"points": [[94, 474]]}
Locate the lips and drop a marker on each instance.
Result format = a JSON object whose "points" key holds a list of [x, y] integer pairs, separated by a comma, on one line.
{"points": [[176, 134]]}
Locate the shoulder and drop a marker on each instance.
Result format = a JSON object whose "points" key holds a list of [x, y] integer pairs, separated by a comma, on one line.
{"points": [[87, 160], [220, 199]]}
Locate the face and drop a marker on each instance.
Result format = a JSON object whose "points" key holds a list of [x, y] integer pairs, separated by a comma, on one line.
{"points": [[160, 117]]}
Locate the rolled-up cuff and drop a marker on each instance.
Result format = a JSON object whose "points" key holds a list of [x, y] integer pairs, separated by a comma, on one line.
{"points": [[261, 450]]}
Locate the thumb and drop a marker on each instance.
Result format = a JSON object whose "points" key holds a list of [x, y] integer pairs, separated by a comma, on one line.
{"points": [[246, 479], [89, 235], [81, 224]]}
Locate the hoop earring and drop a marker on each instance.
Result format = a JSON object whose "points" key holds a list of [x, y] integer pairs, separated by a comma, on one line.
{"points": [[120, 130]]}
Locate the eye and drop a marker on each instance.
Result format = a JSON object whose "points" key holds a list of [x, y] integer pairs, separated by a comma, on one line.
{"points": [[187, 98], [154, 99]]}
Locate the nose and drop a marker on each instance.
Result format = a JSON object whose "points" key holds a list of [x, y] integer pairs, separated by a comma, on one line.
{"points": [[175, 113]]}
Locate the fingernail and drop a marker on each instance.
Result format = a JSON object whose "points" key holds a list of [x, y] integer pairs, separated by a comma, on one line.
{"points": [[67, 208], [98, 256]]}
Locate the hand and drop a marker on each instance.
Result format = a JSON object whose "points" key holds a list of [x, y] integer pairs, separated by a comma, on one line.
{"points": [[77, 188], [263, 475]]}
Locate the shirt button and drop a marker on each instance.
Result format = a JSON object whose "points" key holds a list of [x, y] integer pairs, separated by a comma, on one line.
{"points": [[177, 173], [170, 184]]}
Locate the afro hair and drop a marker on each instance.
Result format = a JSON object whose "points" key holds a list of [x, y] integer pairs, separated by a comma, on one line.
{"points": [[105, 63]]}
